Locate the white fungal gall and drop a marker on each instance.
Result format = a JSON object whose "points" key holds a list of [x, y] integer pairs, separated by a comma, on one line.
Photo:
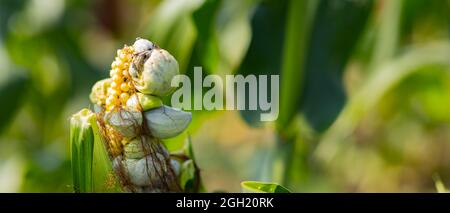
{"points": [[152, 72], [125, 122], [145, 171], [166, 122], [141, 45], [136, 148]]}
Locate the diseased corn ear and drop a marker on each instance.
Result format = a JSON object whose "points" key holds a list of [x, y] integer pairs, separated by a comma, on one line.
{"points": [[91, 167]]}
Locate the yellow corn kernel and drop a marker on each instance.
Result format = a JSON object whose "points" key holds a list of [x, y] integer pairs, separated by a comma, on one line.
{"points": [[117, 78], [114, 71], [109, 101], [117, 93], [124, 97], [124, 87], [115, 85]]}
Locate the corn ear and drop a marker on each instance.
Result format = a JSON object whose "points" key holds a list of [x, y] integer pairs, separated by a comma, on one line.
{"points": [[91, 167]]}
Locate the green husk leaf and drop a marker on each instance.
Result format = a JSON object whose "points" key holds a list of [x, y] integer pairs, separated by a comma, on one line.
{"points": [[81, 149], [91, 167]]}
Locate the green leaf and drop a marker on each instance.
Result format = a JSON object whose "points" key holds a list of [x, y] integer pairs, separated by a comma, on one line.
{"points": [[331, 45], [264, 54], [172, 28], [384, 79], [387, 33], [190, 180], [187, 176], [12, 90], [188, 149], [262, 187], [298, 27], [207, 43], [223, 34]]}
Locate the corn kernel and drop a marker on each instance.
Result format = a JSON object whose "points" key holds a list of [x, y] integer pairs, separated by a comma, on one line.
{"points": [[112, 92], [117, 79], [110, 108], [124, 97], [109, 101], [115, 85], [125, 72], [124, 87], [113, 65], [117, 92], [114, 71]]}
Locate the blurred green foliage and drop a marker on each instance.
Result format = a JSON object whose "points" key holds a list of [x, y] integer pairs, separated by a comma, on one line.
{"points": [[365, 87]]}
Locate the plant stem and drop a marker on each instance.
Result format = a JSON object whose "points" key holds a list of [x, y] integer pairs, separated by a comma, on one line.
{"points": [[298, 25]]}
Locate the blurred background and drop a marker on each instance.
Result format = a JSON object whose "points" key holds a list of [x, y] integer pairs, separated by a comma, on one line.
{"points": [[364, 88]]}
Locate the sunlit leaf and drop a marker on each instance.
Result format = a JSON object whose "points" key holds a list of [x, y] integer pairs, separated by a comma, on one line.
{"points": [[440, 187], [298, 28], [262, 187]]}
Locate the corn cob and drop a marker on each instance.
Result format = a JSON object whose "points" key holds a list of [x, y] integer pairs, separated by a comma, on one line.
{"points": [[121, 85]]}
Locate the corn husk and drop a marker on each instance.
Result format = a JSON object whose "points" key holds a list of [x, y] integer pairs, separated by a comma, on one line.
{"points": [[91, 166]]}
